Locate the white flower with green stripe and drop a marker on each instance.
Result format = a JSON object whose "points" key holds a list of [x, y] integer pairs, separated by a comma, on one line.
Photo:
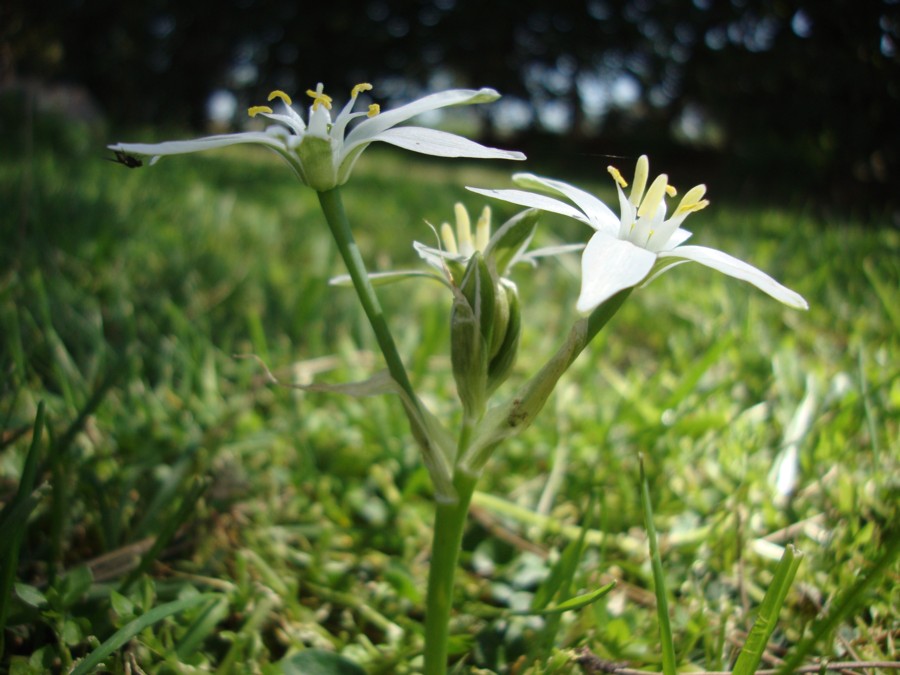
{"points": [[323, 150], [639, 244]]}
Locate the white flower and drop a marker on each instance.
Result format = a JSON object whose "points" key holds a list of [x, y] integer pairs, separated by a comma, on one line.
{"points": [[323, 152], [639, 245]]}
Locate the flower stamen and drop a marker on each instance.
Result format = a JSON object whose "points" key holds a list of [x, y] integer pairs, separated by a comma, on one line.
{"points": [[280, 94], [654, 197], [483, 230], [617, 176], [374, 109], [463, 229], [319, 97], [449, 239], [255, 110], [360, 88], [641, 172], [693, 200], [671, 191]]}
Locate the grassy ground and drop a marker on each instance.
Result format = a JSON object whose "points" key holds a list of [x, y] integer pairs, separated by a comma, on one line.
{"points": [[172, 472]]}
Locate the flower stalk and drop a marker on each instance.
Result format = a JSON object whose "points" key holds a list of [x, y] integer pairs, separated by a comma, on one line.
{"points": [[336, 217], [449, 524]]}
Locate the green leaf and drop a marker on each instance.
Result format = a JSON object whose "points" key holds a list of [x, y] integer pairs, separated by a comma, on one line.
{"points": [[571, 604], [129, 630], [387, 278], [659, 583], [14, 521], [30, 595], [844, 605], [767, 618], [74, 585], [202, 627], [319, 662], [121, 605]]}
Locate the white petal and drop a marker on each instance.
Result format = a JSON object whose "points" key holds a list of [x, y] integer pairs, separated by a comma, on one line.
{"points": [[738, 269], [293, 122], [608, 266], [441, 144], [535, 201], [374, 125], [677, 238], [199, 144], [598, 212]]}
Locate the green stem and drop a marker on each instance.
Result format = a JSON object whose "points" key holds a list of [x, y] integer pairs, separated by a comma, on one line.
{"points": [[449, 523], [333, 208]]}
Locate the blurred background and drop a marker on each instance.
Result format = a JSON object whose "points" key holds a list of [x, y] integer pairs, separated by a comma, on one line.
{"points": [[787, 100]]}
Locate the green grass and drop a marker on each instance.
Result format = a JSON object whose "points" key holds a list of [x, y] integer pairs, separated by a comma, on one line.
{"points": [[251, 521]]}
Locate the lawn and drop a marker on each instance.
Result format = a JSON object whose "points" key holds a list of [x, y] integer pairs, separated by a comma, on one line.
{"points": [[240, 521]]}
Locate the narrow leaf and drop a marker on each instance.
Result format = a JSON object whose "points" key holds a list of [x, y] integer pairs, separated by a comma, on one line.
{"points": [[767, 618], [16, 516], [659, 584], [571, 604], [319, 662], [129, 630], [845, 604]]}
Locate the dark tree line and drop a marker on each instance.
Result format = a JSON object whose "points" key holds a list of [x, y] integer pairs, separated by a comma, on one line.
{"points": [[804, 90]]}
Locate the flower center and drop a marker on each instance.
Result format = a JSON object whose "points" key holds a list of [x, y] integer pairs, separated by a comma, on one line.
{"points": [[319, 97]]}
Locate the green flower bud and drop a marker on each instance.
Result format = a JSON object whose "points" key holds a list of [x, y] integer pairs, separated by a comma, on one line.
{"points": [[471, 333], [507, 328]]}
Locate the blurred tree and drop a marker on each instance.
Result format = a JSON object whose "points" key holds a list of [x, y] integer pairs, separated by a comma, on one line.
{"points": [[791, 88]]}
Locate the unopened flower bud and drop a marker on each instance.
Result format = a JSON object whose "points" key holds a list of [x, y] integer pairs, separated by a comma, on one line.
{"points": [[507, 328], [471, 334]]}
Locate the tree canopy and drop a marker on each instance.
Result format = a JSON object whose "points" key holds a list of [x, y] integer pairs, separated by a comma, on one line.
{"points": [[794, 89]]}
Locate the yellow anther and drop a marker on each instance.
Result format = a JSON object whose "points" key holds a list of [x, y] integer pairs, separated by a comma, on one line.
{"points": [[671, 191], [319, 98], [360, 88], [617, 176], [448, 239], [374, 109], [255, 110], [280, 94]]}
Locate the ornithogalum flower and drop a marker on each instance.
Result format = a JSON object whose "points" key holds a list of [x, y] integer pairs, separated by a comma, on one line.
{"points": [[323, 150], [641, 243]]}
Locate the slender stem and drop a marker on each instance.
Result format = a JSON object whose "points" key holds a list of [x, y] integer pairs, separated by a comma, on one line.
{"points": [[333, 208], [449, 523]]}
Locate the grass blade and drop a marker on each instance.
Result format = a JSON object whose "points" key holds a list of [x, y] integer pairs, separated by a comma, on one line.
{"points": [[767, 618], [846, 604], [202, 628], [129, 630], [571, 604], [195, 491], [659, 584], [14, 519]]}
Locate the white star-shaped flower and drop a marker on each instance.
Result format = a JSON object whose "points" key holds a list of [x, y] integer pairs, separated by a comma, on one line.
{"points": [[641, 243], [322, 152]]}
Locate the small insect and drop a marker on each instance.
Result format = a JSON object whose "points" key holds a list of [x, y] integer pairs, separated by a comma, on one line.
{"points": [[128, 160]]}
